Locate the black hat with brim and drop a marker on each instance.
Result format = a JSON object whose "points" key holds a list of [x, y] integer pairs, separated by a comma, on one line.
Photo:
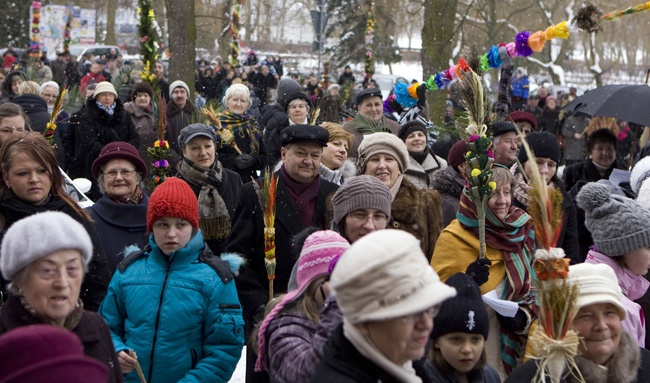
{"points": [[304, 133]]}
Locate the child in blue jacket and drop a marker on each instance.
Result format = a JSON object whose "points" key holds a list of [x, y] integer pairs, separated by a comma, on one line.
{"points": [[174, 303]]}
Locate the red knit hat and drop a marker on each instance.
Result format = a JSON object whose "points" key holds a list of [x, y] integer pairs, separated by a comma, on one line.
{"points": [[173, 198]]}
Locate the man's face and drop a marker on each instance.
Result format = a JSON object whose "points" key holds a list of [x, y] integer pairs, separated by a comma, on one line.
{"points": [[302, 161], [179, 95], [95, 68], [158, 70], [264, 70], [372, 107]]}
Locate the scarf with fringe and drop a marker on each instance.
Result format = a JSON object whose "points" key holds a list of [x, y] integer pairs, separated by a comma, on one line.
{"points": [[243, 127], [214, 219]]}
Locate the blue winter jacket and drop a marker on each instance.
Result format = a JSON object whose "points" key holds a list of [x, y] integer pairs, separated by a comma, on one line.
{"points": [[520, 87], [182, 318]]}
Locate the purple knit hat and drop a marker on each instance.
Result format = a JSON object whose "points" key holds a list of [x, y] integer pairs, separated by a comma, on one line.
{"points": [[319, 250]]}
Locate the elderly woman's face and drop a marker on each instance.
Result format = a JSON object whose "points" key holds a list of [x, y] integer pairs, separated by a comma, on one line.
{"points": [[603, 154], [298, 111], [106, 98], [237, 103], [52, 284], [120, 178], [384, 167], [200, 150], [499, 202], [599, 325], [142, 99], [403, 339]]}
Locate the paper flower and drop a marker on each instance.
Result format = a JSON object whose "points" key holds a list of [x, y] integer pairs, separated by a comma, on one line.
{"points": [[475, 173]]}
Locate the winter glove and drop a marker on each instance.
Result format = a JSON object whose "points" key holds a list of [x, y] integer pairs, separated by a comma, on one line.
{"points": [[515, 324], [244, 161], [479, 270], [395, 106], [504, 56], [422, 90]]}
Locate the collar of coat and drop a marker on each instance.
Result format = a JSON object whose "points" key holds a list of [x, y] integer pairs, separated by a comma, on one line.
{"points": [[623, 367]]}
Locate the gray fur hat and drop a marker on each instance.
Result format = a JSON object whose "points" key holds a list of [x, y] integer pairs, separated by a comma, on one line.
{"points": [[617, 224], [38, 235]]}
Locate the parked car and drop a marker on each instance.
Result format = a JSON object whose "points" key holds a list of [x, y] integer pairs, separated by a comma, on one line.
{"points": [[96, 50], [387, 82]]}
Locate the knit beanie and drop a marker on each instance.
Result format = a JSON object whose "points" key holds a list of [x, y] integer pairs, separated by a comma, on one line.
{"points": [[360, 192], [319, 250], [46, 353], [543, 145], [618, 225], [465, 312], [104, 87], [39, 235], [385, 275], [410, 127], [286, 87], [176, 84], [597, 283], [173, 198], [640, 173], [456, 154], [384, 143]]}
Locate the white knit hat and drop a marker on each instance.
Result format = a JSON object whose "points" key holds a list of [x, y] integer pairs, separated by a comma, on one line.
{"points": [[598, 284], [385, 275], [38, 235], [640, 173], [177, 84], [104, 87]]}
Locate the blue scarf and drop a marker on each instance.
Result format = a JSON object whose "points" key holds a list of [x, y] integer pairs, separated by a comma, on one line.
{"points": [[108, 109]]}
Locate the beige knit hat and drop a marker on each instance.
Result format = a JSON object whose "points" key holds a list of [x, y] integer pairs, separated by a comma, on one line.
{"points": [[384, 143], [598, 284], [385, 275], [104, 87]]}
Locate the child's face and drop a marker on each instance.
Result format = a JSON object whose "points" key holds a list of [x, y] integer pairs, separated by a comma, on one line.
{"points": [[171, 234], [461, 350]]}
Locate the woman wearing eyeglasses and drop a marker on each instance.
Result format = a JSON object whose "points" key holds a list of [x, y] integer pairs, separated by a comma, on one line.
{"points": [[32, 183], [388, 296], [417, 211], [121, 214]]}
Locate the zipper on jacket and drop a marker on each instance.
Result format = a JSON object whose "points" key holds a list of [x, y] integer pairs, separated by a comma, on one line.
{"points": [[155, 329], [195, 358]]}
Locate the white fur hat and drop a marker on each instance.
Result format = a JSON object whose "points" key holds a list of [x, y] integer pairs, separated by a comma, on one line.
{"points": [[640, 172]]}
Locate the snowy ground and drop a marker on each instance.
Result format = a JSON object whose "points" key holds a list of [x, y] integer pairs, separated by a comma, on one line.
{"points": [[240, 372]]}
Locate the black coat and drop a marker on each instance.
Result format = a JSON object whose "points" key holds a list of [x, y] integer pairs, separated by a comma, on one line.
{"points": [[95, 284], [342, 363], [583, 171], [96, 129], [92, 331], [36, 110], [229, 191], [247, 238], [568, 239], [119, 225]]}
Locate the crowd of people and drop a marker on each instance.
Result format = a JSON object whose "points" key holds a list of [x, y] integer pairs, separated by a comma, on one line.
{"points": [[376, 275]]}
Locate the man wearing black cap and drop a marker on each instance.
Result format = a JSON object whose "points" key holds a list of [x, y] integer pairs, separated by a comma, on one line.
{"points": [[370, 119], [300, 203], [506, 142]]}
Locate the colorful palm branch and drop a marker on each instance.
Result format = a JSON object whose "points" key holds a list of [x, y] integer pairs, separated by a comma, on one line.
{"points": [[50, 127]]}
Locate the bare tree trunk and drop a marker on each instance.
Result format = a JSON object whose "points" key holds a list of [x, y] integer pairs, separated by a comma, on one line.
{"points": [[159, 12], [111, 36], [182, 42], [437, 36], [224, 37]]}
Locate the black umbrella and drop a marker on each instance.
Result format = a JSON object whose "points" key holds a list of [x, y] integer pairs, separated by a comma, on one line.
{"points": [[626, 102]]}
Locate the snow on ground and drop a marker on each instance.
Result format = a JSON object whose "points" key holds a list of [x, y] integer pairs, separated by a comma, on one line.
{"points": [[240, 372]]}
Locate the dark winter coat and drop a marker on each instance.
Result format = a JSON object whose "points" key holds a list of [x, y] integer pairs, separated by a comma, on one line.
{"points": [[36, 110], [92, 331], [262, 84], [630, 364], [549, 121], [93, 288], [450, 185], [568, 239], [584, 171], [346, 78], [485, 375], [177, 119], [331, 109], [247, 238], [229, 191], [145, 125], [119, 225], [208, 86], [96, 129], [342, 363]]}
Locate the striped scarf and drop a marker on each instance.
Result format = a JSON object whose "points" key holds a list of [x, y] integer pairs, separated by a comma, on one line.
{"points": [[245, 129], [515, 237]]}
